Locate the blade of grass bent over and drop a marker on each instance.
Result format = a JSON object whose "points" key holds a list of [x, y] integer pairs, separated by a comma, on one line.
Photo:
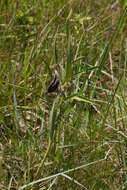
{"points": [[64, 172]]}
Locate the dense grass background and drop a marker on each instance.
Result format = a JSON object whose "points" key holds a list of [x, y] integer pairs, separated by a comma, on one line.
{"points": [[76, 140]]}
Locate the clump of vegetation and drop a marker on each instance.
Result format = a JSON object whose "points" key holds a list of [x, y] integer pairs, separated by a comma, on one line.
{"points": [[74, 139]]}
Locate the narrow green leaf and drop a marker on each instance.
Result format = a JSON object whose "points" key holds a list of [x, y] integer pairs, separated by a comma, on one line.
{"points": [[69, 61], [53, 117], [55, 50], [81, 99]]}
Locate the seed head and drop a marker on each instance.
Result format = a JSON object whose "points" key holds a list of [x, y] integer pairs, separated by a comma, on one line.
{"points": [[54, 84]]}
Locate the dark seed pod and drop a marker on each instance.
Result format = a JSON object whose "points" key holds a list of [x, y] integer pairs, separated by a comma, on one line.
{"points": [[53, 87]]}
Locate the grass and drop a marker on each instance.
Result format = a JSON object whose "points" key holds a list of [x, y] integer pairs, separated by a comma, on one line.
{"points": [[76, 140]]}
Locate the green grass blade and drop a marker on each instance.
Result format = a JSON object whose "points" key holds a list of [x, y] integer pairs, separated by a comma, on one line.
{"points": [[69, 56], [53, 117]]}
